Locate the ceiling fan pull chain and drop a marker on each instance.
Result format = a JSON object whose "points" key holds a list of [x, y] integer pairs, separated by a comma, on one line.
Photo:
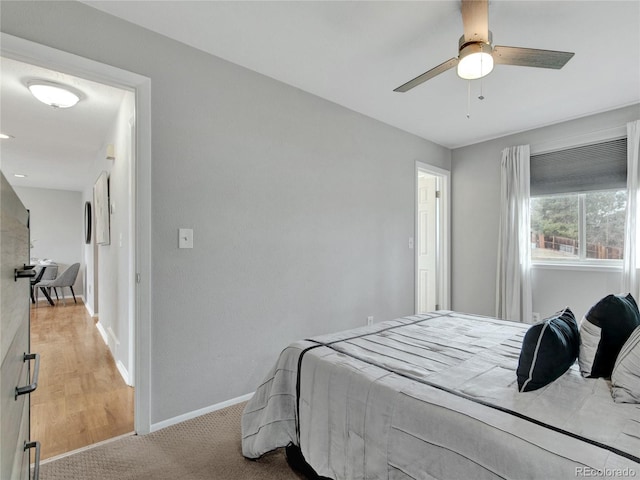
{"points": [[481, 96], [468, 98]]}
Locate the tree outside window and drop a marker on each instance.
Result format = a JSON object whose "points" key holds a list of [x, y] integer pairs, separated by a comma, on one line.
{"points": [[578, 227]]}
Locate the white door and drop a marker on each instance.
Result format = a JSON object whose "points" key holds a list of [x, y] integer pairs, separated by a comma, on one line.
{"points": [[427, 243], [16, 373]]}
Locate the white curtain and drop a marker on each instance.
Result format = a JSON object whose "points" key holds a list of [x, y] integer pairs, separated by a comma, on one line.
{"points": [[631, 237], [513, 283]]}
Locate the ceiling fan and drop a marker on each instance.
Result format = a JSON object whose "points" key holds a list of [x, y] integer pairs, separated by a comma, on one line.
{"points": [[476, 55]]}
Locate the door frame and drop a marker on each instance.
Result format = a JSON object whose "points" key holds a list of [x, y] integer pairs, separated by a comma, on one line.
{"points": [[443, 261], [51, 58]]}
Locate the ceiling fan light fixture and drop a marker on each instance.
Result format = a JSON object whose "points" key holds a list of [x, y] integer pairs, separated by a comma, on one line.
{"points": [[54, 94], [475, 61]]}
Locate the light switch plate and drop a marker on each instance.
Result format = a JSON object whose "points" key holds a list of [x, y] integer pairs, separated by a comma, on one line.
{"points": [[185, 238]]}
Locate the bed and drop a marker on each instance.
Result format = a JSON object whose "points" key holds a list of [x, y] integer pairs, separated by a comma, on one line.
{"points": [[435, 396]]}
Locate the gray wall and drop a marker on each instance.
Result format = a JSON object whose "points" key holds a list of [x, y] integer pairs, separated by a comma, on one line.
{"points": [[57, 225], [554, 289], [108, 268], [475, 220], [301, 209]]}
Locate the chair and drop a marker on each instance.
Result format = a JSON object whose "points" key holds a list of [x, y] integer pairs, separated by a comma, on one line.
{"points": [[40, 272], [65, 279], [44, 272]]}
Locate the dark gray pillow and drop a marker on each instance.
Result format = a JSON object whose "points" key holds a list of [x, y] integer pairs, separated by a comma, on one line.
{"points": [[549, 348], [603, 330]]}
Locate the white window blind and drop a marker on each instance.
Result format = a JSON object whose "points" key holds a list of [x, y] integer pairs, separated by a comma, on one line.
{"points": [[599, 166]]}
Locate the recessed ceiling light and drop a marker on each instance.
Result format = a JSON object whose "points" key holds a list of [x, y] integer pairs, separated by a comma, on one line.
{"points": [[20, 175], [5, 136], [54, 94]]}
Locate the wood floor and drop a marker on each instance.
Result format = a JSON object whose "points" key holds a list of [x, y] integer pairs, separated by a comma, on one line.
{"points": [[81, 398]]}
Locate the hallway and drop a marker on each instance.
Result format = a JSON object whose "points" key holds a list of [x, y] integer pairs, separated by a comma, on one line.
{"points": [[81, 398]]}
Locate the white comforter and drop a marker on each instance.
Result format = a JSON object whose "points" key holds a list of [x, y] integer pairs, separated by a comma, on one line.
{"points": [[435, 396]]}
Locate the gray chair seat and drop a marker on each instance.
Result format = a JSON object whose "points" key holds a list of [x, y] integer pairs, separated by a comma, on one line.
{"points": [[65, 279], [44, 272]]}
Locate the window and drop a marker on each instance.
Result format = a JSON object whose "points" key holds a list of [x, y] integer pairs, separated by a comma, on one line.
{"points": [[578, 202], [578, 227]]}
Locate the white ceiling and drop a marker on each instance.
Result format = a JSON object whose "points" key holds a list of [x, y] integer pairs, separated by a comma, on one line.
{"points": [[354, 54], [55, 148]]}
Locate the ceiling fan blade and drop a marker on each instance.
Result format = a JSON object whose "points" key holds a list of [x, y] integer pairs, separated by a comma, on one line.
{"points": [[443, 67], [530, 57], [475, 20]]}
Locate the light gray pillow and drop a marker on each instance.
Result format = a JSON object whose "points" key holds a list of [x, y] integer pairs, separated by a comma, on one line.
{"points": [[625, 378]]}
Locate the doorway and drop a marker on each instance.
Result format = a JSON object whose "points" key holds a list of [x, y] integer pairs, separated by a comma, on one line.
{"points": [[139, 188], [432, 234], [86, 395]]}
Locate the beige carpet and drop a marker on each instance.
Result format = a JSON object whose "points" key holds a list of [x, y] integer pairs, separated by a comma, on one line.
{"points": [[207, 447]]}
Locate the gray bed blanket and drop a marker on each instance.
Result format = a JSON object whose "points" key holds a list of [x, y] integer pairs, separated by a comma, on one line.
{"points": [[435, 397]]}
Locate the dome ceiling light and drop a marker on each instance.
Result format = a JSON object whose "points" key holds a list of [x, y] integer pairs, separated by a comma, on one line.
{"points": [[54, 94]]}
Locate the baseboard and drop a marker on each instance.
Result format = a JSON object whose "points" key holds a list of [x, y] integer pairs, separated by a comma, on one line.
{"points": [[89, 309], [103, 333], [202, 411], [67, 298], [124, 373]]}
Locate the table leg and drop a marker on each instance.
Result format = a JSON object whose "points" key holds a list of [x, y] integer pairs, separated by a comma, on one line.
{"points": [[46, 294]]}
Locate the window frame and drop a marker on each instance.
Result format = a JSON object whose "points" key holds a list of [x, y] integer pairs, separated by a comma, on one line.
{"points": [[546, 146], [582, 262]]}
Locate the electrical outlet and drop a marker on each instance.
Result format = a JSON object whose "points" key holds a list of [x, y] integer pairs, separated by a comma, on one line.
{"points": [[535, 316], [370, 320]]}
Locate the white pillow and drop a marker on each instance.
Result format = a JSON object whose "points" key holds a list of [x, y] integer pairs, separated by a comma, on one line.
{"points": [[625, 379], [589, 340]]}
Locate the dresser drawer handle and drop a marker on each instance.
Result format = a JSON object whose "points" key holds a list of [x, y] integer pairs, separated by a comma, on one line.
{"points": [[36, 464], [26, 271], [34, 378]]}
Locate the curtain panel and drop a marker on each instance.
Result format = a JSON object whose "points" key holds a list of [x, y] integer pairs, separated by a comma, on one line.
{"points": [[513, 282], [630, 275]]}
